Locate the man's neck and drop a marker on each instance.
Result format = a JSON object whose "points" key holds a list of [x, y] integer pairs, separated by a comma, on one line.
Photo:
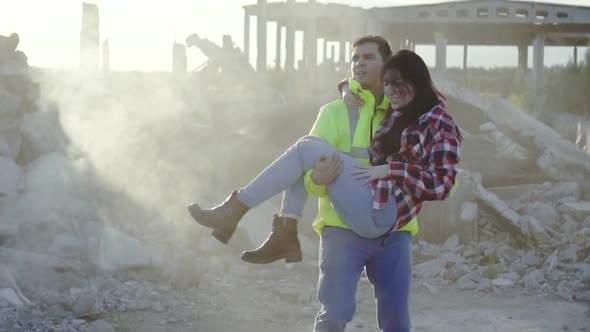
{"points": [[378, 94]]}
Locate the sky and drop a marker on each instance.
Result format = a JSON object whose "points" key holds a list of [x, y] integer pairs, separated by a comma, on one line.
{"points": [[141, 32]]}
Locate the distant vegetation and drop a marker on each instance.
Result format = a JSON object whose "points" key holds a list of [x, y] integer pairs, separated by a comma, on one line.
{"points": [[567, 88]]}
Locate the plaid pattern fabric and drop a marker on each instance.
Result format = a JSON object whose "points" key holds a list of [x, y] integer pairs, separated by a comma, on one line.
{"points": [[424, 167]]}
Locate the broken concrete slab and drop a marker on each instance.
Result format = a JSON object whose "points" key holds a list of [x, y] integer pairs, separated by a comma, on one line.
{"points": [[534, 279], [10, 142], [502, 282], [8, 44], [524, 227], [67, 246], [569, 226], [100, 325], [10, 295], [559, 158], [43, 133], [15, 257], [547, 191], [545, 213], [507, 149], [83, 302], [15, 64], [9, 104], [443, 218], [578, 210], [118, 250], [469, 212]]}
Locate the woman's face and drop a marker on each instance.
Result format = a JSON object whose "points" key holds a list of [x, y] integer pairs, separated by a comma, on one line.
{"points": [[399, 92]]}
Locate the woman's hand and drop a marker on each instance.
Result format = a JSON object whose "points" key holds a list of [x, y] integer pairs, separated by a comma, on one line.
{"points": [[351, 100], [371, 173], [327, 169]]}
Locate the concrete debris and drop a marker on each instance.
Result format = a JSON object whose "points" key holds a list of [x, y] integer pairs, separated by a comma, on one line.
{"points": [[502, 282], [579, 210], [118, 250], [8, 44], [83, 302], [9, 104], [509, 220], [14, 257], [16, 64], [100, 326], [10, 142], [67, 246], [545, 213], [11, 176], [42, 134], [452, 243], [534, 279], [469, 212], [9, 295], [506, 148]]}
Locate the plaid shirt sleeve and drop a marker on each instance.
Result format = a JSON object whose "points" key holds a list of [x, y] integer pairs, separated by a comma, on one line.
{"points": [[435, 179]]}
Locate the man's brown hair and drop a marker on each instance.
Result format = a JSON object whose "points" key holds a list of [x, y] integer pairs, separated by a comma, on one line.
{"points": [[382, 45]]}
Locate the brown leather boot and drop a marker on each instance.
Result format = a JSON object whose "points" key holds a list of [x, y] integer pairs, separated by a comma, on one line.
{"points": [[281, 243], [223, 219]]}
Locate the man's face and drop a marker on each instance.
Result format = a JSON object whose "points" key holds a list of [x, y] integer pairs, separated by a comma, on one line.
{"points": [[366, 65]]}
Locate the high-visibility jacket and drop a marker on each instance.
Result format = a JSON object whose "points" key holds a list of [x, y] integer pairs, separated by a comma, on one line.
{"points": [[349, 131]]}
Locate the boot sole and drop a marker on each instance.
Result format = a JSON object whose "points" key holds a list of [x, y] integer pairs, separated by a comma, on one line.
{"points": [[291, 257], [219, 235]]}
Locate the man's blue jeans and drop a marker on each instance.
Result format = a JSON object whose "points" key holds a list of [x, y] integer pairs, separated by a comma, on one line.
{"points": [[387, 262]]}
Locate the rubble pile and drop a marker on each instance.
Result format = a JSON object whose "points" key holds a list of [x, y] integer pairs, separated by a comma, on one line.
{"points": [[57, 231], [531, 231]]}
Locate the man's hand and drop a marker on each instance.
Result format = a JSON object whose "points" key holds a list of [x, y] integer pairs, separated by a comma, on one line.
{"points": [[371, 173], [327, 169], [351, 100]]}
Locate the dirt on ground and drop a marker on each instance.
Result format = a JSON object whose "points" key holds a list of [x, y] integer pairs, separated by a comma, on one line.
{"points": [[277, 297]]}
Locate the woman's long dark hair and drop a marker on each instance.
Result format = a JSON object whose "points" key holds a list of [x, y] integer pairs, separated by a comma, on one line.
{"points": [[413, 71]]}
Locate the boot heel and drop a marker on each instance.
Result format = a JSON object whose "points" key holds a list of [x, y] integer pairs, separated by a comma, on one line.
{"points": [[221, 236], [293, 257]]}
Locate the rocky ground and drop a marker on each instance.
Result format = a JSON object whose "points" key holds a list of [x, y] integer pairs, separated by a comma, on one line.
{"points": [[280, 297]]}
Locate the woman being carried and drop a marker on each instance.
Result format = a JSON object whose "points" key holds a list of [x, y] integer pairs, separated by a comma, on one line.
{"points": [[413, 158]]}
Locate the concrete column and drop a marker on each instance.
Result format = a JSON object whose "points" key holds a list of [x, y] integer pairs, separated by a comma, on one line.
{"points": [[538, 61], [523, 56], [464, 57], [373, 27], [261, 38], [247, 35], [290, 45], [333, 53], [342, 51], [575, 56], [310, 42], [89, 37], [178, 58], [348, 50], [395, 42], [106, 56], [441, 52], [279, 48]]}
